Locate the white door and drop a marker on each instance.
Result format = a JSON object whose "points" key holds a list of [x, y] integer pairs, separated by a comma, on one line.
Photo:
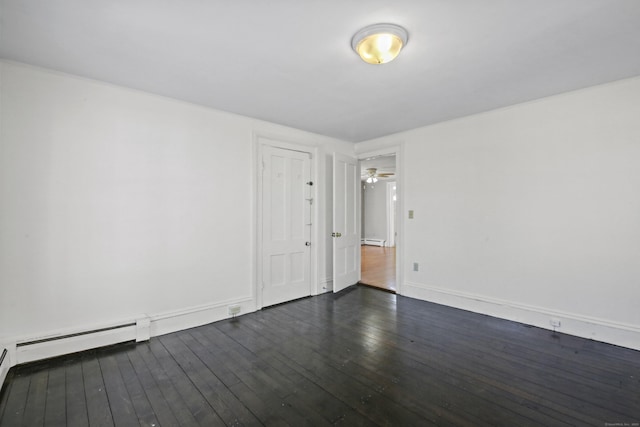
{"points": [[286, 207], [346, 238]]}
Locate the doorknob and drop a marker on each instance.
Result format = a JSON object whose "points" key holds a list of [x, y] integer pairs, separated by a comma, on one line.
{"points": [[336, 234], [307, 243]]}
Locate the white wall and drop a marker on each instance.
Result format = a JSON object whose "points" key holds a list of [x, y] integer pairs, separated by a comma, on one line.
{"points": [[375, 210], [531, 212], [116, 203]]}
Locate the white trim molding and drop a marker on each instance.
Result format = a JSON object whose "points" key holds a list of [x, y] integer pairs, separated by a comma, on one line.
{"points": [[326, 285], [620, 334], [173, 321]]}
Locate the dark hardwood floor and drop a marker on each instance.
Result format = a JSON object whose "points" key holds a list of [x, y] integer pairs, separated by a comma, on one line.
{"points": [[360, 357]]}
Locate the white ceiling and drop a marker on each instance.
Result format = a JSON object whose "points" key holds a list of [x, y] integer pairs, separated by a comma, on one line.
{"points": [[290, 61]]}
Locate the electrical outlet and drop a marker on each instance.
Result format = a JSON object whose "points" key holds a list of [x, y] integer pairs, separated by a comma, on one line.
{"points": [[416, 266], [234, 310], [555, 322]]}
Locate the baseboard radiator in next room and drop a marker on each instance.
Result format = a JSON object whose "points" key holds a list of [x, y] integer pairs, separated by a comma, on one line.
{"points": [[372, 242]]}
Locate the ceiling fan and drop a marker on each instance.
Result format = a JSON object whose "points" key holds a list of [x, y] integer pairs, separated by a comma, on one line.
{"points": [[371, 175]]}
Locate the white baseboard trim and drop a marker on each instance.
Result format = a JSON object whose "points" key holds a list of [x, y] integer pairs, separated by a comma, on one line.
{"points": [[173, 321], [620, 334], [326, 285]]}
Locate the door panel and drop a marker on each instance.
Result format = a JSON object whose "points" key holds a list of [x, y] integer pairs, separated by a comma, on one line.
{"points": [[286, 207], [346, 236]]}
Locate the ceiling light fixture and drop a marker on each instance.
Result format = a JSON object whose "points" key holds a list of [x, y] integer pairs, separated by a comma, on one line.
{"points": [[379, 43], [371, 176]]}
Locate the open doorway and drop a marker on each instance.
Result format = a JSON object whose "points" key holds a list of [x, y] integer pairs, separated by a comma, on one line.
{"points": [[378, 222]]}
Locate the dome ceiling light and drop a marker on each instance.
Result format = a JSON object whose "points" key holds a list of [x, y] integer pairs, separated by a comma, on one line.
{"points": [[379, 43]]}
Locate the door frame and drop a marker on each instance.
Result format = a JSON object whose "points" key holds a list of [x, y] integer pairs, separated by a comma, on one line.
{"points": [[261, 140], [392, 212], [396, 150]]}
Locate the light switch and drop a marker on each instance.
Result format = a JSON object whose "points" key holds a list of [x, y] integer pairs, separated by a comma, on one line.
{"points": [[411, 214]]}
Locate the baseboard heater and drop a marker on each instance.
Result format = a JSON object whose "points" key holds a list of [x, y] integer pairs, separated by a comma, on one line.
{"points": [[4, 366], [74, 341], [372, 242]]}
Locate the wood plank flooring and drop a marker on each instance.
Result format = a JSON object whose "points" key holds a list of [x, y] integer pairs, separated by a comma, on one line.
{"points": [[361, 357], [378, 267]]}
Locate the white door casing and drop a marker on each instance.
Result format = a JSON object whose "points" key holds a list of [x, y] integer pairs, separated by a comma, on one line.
{"points": [[391, 214], [286, 225], [346, 236]]}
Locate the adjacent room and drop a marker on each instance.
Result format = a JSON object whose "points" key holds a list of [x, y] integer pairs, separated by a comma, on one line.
{"points": [[193, 196], [378, 213]]}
